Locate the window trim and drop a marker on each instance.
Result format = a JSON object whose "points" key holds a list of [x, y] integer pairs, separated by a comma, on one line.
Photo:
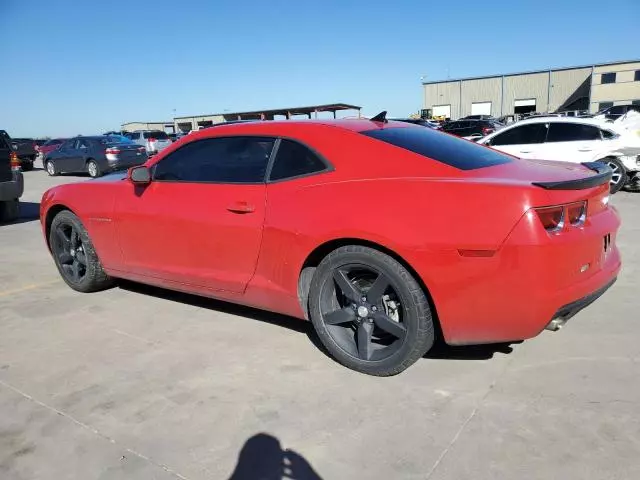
{"points": [[269, 161], [328, 166]]}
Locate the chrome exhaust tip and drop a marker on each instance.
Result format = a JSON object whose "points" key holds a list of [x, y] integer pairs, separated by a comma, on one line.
{"points": [[555, 324]]}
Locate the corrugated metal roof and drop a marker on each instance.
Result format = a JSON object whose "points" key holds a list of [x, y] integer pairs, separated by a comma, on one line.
{"points": [[529, 72]]}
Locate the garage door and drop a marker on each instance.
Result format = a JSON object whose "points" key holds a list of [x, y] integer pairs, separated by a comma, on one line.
{"points": [[481, 108], [442, 111]]}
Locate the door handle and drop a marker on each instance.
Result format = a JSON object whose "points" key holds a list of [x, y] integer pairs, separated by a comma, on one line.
{"points": [[525, 151], [586, 149], [241, 207]]}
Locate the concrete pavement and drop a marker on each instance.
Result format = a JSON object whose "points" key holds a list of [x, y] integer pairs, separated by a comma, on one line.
{"points": [[141, 383]]}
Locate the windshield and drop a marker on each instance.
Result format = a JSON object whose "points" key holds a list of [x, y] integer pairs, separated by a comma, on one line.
{"points": [[453, 151]]}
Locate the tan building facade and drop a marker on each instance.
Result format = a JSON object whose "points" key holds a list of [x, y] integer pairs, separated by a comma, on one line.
{"points": [[562, 89]]}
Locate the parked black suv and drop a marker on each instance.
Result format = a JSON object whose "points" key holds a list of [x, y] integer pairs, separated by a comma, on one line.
{"points": [[467, 128], [11, 182]]}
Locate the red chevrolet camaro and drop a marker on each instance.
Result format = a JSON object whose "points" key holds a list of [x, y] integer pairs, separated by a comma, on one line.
{"points": [[381, 233]]}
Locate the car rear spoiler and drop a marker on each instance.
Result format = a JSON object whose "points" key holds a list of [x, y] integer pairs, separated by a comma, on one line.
{"points": [[603, 175]]}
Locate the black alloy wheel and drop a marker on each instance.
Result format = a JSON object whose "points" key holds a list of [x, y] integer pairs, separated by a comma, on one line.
{"points": [[74, 254], [70, 252], [369, 311]]}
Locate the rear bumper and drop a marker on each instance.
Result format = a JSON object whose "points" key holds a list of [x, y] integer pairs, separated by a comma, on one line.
{"points": [[12, 189], [530, 280], [566, 312]]}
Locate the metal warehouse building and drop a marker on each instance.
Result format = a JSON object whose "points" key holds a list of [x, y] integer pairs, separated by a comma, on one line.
{"points": [[589, 87]]}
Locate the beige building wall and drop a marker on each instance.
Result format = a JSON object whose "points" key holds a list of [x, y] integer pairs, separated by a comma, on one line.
{"points": [[564, 84], [480, 90], [522, 87], [623, 91], [445, 93]]}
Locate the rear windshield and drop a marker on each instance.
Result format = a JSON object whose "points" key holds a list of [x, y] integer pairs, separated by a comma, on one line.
{"points": [[56, 141], [118, 139], [444, 148], [159, 135]]}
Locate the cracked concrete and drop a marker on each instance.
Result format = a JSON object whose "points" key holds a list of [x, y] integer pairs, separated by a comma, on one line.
{"points": [[141, 383]]}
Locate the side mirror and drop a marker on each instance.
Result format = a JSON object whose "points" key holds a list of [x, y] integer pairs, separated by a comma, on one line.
{"points": [[140, 175]]}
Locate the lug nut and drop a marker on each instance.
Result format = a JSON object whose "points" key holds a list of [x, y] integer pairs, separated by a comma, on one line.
{"points": [[374, 308]]}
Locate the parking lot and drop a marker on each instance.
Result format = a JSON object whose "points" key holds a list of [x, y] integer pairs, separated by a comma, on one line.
{"points": [[141, 383]]}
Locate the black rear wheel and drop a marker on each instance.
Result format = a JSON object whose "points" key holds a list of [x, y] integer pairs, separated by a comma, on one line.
{"points": [[74, 254], [369, 311], [9, 210]]}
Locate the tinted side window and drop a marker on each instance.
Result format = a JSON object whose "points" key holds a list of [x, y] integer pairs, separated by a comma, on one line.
{"points": [[572, 132], [446, 149], [293, 160], [222, 160], [606, 134], [522, 135], [69, 145]]}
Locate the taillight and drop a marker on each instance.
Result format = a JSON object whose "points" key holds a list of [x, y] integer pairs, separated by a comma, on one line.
{"points": [[577, 213], [487, 130], [552, 218], [112, 151], [151, 140], [14, 161]]}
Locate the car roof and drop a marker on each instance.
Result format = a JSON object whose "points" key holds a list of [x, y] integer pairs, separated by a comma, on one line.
{"points": [[584, 121], [353, 124]]}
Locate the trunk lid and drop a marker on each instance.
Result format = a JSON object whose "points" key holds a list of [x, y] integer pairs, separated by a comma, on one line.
{"points": [[130, 153], [549, 175]]}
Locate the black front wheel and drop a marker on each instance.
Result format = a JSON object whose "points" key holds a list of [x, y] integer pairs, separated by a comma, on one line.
{"points": [[74, 254], [369, 311]]}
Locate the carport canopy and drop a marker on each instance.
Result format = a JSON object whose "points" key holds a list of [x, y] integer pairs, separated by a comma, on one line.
{"points": [[290, 112]]}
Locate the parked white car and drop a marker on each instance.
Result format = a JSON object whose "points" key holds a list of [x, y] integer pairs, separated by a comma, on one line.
{"points": [[574, 140]]}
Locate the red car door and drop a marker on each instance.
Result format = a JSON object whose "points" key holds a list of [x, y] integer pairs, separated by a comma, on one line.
{"points": [[200, 220]]}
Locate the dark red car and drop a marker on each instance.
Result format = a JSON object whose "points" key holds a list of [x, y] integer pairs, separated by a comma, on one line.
{"points": [[50, 145], [379, 233]]}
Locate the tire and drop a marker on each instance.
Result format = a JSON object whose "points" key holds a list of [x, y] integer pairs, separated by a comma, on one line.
{"points": [[93, 169], [51, 169], [9, 210], [341, 321], [70, 249], [619, 173]]}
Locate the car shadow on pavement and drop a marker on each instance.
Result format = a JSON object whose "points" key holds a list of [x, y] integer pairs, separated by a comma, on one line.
{"points": [[440, 350], [263, 458], [29, 212], [468, 352]]}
